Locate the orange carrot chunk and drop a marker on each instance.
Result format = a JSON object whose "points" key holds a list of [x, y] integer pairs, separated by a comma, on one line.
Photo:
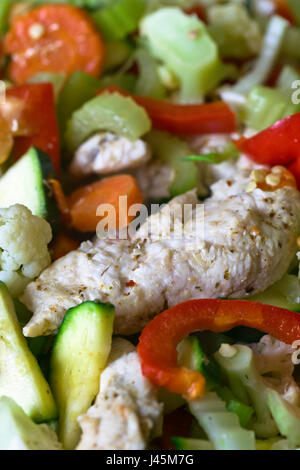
{"points": [[53, 38], [84, 202]]}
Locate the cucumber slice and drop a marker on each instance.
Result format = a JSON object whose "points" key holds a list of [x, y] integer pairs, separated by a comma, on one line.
{"points": [[79, 355], [20, 375], [25, 183], [19, 432]]}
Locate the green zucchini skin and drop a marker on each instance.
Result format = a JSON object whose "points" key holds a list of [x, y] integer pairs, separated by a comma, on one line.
{"points": [[26, 182]]}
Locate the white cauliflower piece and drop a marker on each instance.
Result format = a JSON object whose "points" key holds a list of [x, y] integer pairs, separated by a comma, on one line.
{"points": [[274, 361], [23, 247], [106, 153]]}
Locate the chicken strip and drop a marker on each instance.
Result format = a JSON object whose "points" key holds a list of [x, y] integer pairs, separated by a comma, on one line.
{"points": [[106, 153], [248, 241], [126, 412]]}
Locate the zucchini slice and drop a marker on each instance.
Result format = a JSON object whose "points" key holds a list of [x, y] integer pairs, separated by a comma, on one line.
{"points": [[79, 355], [25, 182]]}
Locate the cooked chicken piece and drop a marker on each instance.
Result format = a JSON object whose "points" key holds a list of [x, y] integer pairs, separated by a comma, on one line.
{"points": [[126, 413], [106, 153], [248, 242], [154, 179]]}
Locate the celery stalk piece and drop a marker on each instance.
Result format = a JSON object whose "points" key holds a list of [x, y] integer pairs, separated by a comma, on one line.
{"points": [[248, 386], [107, 112], [287, 77], [272, 43], [148, 82], [171, 150], [285, 293], [244, 412], [266, 105], [116, 53], [182, 43], [79, 88], [235, 32], [120, 18], [221, 426], [56, 79], [287, 417]]}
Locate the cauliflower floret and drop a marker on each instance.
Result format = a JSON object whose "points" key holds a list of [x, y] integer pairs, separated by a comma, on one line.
{"points": [[274, 362], [23, 247], [106, 153]]}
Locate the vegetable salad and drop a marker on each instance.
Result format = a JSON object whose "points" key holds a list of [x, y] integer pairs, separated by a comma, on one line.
{"points": [[149, 224]]}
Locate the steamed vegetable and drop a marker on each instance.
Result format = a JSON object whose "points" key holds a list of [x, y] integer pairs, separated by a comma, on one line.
{"points": [[73, 45], [221, 426], [108, 112], [235, 32], [19, 432], [159, 339], [42, 127], [79, 355], [250, 388], [23, 247], [117, 20], [34, 169], [208, 118], [20, 376], [272, 43], [182, 43], [171, 150]]}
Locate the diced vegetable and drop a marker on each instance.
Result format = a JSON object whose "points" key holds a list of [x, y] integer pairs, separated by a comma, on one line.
{"points": [[244, 412], [79, 355], [286, 416], [73, 44], [19, 432], [56, 79], [117, 20], [148, 82], [20, 375], [44, 133], [182, 43], [284, 293], [5, 6], [182, 443], [159, 339], [208, 118], [265, 106], [116, 53], [230, 151], [221, 426], [272, 44], [235, 32], [247, 385], [84, 202], [171, 150], [79, 88], [191, 355], [34, 169], [107, 112], [276, 145], [287, 77]]}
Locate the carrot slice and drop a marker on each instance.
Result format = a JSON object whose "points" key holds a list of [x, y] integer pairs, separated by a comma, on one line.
{"points": [[84, 202], [53, 38], [62, 245]]}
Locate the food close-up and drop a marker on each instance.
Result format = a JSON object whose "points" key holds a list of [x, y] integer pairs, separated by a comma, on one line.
{"points": [[150, 225]]}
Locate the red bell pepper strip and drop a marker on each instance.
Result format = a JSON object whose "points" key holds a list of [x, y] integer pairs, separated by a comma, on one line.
{"points": [[159, 339], [39, 112], [276, 145], [208, 118]]}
